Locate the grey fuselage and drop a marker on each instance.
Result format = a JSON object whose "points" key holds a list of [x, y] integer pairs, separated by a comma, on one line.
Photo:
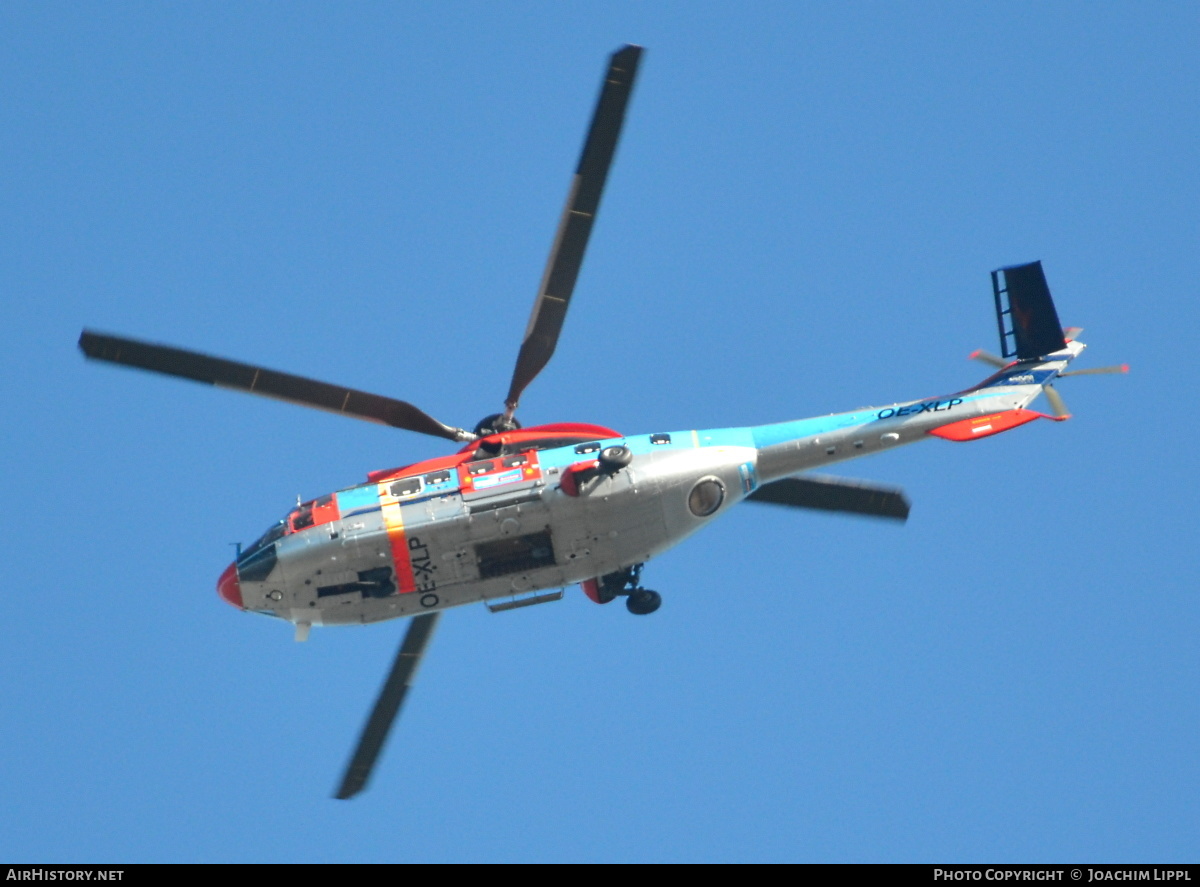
{"points": [[423, 540]]}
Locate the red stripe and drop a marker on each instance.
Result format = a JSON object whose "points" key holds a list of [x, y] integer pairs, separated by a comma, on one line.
{"points": [[397, 540], [404, 574]]}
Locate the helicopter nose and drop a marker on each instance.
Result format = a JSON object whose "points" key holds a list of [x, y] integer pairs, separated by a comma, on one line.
{"points": [[229, 588]]}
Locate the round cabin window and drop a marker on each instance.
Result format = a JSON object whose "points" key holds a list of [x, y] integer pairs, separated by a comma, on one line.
{"points": [[706, 496]]}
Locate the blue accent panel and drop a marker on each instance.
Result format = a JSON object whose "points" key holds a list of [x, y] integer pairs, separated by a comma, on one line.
{"points": [[1021, 376], [500, 478], [722, 437], [357, 499], [640, 444], [749, 477], [561, 457], [782, 432], [366, 510]]}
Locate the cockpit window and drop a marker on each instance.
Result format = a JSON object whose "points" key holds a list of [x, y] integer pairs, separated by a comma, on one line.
{"points": [[276, 532]]}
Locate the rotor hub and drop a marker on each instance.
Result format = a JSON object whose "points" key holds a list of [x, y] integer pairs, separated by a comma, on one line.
{"points": [[496, 423]]}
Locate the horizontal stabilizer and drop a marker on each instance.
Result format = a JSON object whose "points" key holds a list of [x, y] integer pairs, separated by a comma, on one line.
{"points": [[1029, 325], [835, 494]]}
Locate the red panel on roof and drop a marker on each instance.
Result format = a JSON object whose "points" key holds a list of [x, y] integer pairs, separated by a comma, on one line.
{"points": [[561, 431]]}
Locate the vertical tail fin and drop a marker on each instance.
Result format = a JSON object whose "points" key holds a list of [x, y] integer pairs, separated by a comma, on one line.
{"points": [[1029, 325], [1030, 332]]}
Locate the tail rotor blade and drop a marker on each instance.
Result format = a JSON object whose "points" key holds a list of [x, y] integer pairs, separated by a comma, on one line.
{"points": [[575, 226], [1120, 368], [387, 706], [1057, 405], [990, 359]]}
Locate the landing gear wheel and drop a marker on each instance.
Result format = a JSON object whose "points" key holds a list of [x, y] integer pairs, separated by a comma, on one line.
{"points": [[613, 459], [643, 601]]}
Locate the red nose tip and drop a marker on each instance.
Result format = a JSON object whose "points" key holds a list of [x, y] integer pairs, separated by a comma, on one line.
{"points": [[229, 588]]}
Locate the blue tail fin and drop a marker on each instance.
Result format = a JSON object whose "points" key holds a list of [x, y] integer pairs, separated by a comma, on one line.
{"points": [[1029, 325]]}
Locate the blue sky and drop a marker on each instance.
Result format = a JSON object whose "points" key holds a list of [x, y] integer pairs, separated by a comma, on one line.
{"points": [[801, 219]]}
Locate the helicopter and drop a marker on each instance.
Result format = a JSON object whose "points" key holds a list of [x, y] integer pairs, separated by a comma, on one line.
{"points": [[517, 514]]}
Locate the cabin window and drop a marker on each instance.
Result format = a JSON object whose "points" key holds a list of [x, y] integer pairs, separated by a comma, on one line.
{"points": [[376, 582], [660, 439], [409, 486], [438, 477], [706, 496], [590, 447], [481, 467], [514, 461]]}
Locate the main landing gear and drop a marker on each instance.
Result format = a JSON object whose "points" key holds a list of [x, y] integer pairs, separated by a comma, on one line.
{"points": [[643, 601], [624, 583]]}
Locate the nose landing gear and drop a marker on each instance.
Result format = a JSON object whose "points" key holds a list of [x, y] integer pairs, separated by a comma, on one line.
{"points": [[638, 601]]}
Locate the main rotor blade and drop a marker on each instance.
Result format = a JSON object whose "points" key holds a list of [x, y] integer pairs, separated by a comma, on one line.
{"points": [[835, 494], [269, 383], [575, 226], [374, 734]]}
